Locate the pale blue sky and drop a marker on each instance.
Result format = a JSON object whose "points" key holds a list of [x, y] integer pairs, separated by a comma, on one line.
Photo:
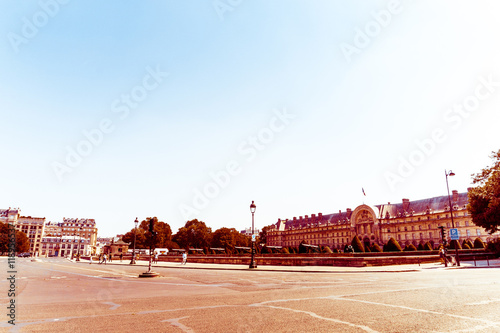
{"points": [[65, 69]]}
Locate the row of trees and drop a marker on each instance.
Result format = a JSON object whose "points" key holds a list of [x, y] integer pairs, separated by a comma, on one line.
{"points": [[195, 234]]}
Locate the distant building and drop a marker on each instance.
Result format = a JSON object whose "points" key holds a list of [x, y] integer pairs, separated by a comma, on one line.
{"points": [[409, 222], [33, 227], [36, 229], [248, 232], [66, 246]]}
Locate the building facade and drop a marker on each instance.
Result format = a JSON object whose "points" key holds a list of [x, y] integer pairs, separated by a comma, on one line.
{"points": [[409, 222], [33, 227], [83, 229], [37, 229], [65, 246]]}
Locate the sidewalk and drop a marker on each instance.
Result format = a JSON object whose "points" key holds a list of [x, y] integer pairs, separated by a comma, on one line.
{"points": [[306, 269]]}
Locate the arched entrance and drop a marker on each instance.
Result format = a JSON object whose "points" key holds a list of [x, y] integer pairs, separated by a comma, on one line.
{"points": [[365, 224]]}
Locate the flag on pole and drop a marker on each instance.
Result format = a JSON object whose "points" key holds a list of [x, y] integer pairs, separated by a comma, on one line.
{"points": [[362, 189]]}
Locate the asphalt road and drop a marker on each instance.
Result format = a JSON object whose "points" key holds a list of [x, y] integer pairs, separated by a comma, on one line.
{"points": [[61, 296]]}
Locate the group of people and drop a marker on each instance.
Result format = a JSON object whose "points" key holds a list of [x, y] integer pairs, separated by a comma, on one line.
{"points": [[104, 258]]}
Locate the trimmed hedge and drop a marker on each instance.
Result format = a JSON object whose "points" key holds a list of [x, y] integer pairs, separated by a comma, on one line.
{"points": [[392, 246], [357, 245], [478, 243]]}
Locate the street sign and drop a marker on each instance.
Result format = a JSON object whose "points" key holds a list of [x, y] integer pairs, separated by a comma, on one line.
{"points": [[253, 238], [454, 234]]}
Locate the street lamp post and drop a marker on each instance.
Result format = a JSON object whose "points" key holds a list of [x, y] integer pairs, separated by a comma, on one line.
{"points": [[132, 262], [79, 244], [253, 264], [73, 246], [451, 173]]}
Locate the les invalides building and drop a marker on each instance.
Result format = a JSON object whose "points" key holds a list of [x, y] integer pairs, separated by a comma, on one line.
{"points": [[409, 222]]}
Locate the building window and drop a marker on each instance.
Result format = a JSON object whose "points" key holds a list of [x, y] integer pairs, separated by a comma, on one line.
{"points": [[430, 235], [466, 223], [468, 233], [458, 224], [478, 232]]}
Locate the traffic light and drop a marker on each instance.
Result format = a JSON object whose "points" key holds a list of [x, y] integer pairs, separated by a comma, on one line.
{"points": [[443, 235], [151, 226]]}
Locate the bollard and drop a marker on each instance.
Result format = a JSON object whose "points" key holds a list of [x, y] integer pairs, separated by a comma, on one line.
{"points": [[488, 261], [474, 257]]}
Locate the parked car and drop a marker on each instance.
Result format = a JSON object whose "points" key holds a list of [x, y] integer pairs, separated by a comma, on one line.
{"points": [[23, 255]]}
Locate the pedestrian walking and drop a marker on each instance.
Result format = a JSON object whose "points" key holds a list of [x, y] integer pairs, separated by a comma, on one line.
{"points": [[184, 258], [121, 257], [156, 257], [90, 263], [104, 258]]}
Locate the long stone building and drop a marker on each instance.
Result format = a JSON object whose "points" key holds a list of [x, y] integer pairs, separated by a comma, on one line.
{"points": [[409, 222]]}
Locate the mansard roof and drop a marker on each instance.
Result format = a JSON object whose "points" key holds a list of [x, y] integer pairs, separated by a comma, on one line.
{"points": [[405, 208], [424, 206]]}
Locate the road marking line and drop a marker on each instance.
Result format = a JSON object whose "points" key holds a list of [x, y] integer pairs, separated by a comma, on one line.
{"points": [[315, 315], [175, 322], [114, 305], [489, 322]]}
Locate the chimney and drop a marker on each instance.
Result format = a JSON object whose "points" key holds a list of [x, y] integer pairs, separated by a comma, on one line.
{"points": [[406, 205], [320, 215], [455, 195]]}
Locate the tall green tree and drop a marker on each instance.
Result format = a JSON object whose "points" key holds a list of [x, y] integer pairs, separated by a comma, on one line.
{"points": [[229, 238], [22, 241], [484, 199], [162, 239], [194, 234], [263, 234]]}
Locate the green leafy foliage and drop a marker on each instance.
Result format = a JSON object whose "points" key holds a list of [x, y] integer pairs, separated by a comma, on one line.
{"points": [[478, 243], [194, 234], [229, 238], [357, 245], [410, 247], [326, 249], [392, 246], [376, 248], [484, 199], [22, 241]]}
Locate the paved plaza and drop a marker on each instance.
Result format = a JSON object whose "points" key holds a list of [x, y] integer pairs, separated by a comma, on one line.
{"points": [[58, 295]]}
